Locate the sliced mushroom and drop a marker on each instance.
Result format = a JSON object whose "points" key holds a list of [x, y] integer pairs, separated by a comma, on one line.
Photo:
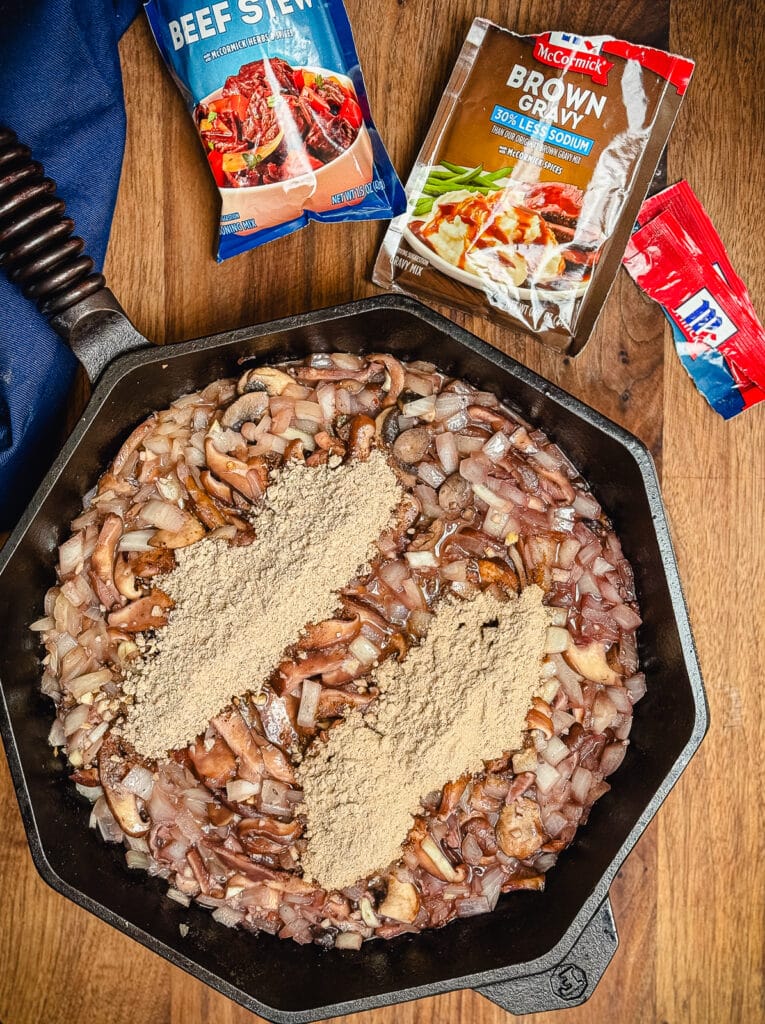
{"points": [[314, 374], [248, 408], [361, 437], [284, 832], [330, 443], [590, 662], [318, 458], [215, 487], [519, 829], [147, 612], [494, 419], [205, 508], [121, 488], [215, 765], [333, 702], [139, 434], [264, 378], [124, 579], [201, 874], [292, 673], [454, 494], [126, 807], [248, 479], [277, 765], [396, 377], [329, 633], [147, 564], [490, 571], [452, 794], [294, 451], [102, 559], [238, 736], [191, 531], [411, 446], [386, 426], [401, 902]]}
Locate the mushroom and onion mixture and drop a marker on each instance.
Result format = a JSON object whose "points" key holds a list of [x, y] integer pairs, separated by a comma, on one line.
{"points": [[490, 504]]}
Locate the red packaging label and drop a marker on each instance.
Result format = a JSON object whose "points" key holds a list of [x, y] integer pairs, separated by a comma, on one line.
{"points": [[711, 322]]}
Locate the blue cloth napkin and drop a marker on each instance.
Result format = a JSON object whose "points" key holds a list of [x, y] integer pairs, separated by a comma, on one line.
{"points": [[61, 92]]}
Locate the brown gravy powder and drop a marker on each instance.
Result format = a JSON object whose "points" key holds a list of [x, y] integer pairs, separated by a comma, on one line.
{"points": [[238, 609], [459, 699]]}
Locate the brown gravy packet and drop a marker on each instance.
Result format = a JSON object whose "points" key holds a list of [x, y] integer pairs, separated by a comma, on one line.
{"points": [[527, 186]]}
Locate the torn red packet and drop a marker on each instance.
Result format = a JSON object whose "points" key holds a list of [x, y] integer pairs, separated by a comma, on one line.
{"points": [[718, 337]]}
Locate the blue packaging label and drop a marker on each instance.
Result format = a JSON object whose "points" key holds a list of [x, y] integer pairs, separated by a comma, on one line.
{"points": [[279, 102]]}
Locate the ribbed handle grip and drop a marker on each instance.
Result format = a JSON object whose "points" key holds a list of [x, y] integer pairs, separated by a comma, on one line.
{"points": [[37, 249]]}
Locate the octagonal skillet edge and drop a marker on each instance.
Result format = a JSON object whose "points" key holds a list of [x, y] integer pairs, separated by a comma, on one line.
{"points": [[89, 317]]}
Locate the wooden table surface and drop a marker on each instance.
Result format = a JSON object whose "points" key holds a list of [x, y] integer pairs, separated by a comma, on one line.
{"points": [[690, 900]]}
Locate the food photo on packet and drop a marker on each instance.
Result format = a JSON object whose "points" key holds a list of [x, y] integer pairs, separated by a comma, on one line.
{"points": [[347, 660]]}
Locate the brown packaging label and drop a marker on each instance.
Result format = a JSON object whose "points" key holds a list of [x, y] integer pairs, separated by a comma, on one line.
{"points": [[524, 193]]}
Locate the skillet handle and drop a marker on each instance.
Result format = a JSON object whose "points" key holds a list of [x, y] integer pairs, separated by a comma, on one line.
{"points": [[569, 983], [40, 256]]}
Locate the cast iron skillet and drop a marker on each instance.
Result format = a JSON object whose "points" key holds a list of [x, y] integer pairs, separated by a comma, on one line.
{"points": [[536, 951]]}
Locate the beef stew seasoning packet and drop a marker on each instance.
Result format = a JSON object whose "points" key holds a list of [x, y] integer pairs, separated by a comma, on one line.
{"points": [[527, 186], [278, 99], [677, 258]]}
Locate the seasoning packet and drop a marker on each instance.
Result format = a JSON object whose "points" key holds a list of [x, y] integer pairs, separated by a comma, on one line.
{"points": [[527, 186], [677, 258], [278, 98]]}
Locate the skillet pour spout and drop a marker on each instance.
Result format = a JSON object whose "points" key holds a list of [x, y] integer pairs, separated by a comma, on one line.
{"points": [[535, 951]]}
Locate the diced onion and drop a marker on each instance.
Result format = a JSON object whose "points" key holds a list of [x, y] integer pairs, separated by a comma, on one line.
{"points": [[636, 686], [179, 897], [76, 718], [140, 781], [368, 915], [555, 751], [547, 776], [446, 447], [422, 408], [497, 447], [57, 736], [136, 540], [309, 701], [88, 683], [585, 505], [491, 885], [163, 515], [470, 906], [431, 474], [491, 499], [421, 559], [364, 650], [137, 861], [91, 793], [227, 916], [625, 617], [273, 797], [448, 405], [348, 940], [581, 781], [612, 757], [240, 789], [309, 411], [557, 640], [70, 554]]}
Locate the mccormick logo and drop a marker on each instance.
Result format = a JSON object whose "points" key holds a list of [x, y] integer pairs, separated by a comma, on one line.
{"points": [[572, 53], [705, 320]]}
